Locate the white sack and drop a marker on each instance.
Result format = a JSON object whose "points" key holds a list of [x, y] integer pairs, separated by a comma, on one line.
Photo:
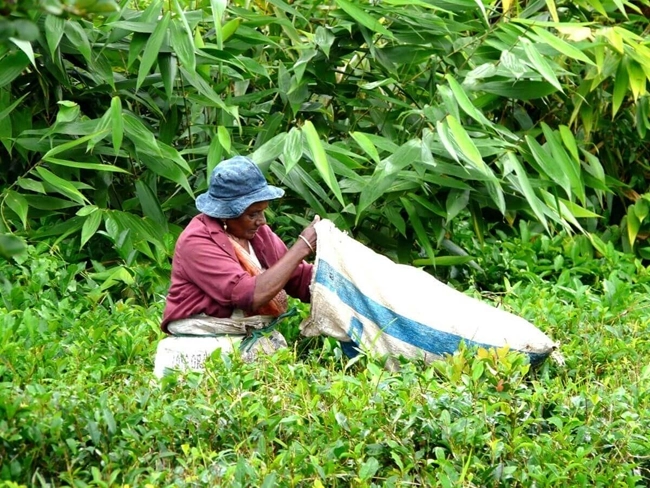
{"points": [[386, 308]]}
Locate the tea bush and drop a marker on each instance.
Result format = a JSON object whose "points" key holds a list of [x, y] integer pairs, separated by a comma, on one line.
{"points": [[79, 405]]}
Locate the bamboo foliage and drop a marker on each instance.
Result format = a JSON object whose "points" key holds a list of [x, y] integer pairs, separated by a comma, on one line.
{"points": [[374, 114]]}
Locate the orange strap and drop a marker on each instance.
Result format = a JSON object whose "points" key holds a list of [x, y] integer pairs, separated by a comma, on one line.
{"points": [[278, 304]]}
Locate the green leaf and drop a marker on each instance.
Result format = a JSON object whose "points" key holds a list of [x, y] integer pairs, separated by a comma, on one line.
{"points": [[167, 169], [26, 47], [526, 189], [550, 4], [443, 261], [570, 142], [566, 209], [269, 151], [408, 153], [218, 9], [72, 144], [54, 28], [61, 186], [49, 203], [7, 111], [224, 138], [215, 152], [68, 111], [620, 5], [90, 226], [150, 205], [298, 181], [11, 245], [368, 468], [102, 126], [637, 78], [428, 203], [78, 38], [364, 18], [111, 277], [135, 27], [496, 194], [456, 202], [11, 66], [419, 3], [393, 216], [548, 165], [182, 40], [152, 49], [141, 229], [465, 103], [641, 208], [633, 225], [519, 90], [559, 44], [138, 133], [168, 70], [467, 147], [566, 165], [117, 123], [367, 145], [593, 166], [420, 232], [138, 41], [377, 186], [203, 87], [152, 13], [31, 185], [81, 165], [61, 230], [230, 28], [292, 149], [87, 210], [443, 133], [173, 155], [17, 203], [540, 64], [319, 158], [577, 211], [621, 83]]}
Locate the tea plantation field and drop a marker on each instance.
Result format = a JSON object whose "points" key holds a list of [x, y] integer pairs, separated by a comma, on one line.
{"points": [[79, 407]]}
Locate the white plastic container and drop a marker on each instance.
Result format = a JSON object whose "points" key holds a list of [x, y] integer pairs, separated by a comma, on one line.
{"points": [[189, 353]]}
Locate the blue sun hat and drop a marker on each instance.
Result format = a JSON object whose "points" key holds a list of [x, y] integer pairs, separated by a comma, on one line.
{"points": [[235, 184]]}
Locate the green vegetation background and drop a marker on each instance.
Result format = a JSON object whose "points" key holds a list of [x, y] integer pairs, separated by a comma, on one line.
{"points": [[503, 146]]}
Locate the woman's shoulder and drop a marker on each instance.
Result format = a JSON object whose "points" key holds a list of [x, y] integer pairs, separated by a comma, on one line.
{"points": [[200, 227]]}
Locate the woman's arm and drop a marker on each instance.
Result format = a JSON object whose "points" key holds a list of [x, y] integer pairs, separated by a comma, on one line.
{"points": [[274, 279]]}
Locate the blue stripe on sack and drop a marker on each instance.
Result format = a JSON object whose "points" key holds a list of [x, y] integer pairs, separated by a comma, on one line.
{"points": [[356, 330], [351, 349], [390, 322]]}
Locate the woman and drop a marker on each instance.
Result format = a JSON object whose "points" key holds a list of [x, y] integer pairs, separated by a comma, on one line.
{"points": [[230, 271]]}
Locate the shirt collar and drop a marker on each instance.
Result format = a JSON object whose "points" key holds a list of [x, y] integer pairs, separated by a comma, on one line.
{"points": [[219, 236]]}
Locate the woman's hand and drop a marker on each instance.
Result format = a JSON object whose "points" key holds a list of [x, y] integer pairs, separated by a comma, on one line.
{"points": [[308, 236]]}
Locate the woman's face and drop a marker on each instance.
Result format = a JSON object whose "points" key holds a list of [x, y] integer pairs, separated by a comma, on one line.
{"points": [[245, 226]]}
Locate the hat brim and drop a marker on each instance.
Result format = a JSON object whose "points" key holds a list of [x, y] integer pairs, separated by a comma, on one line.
{"points": [[231, 209]]}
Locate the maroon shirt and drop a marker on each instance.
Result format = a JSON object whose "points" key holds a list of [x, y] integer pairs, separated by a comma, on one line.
{"points": [[207, 277]]}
